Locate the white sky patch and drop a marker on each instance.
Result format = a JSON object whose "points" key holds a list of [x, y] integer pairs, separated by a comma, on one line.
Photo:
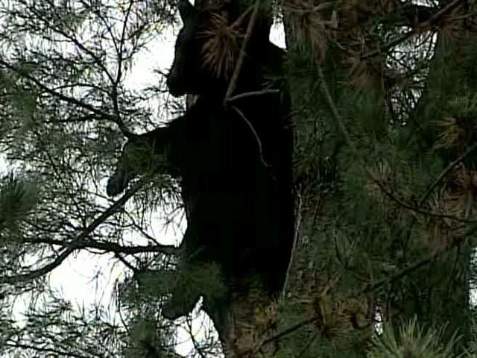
{"points": [[86, 279], [158, 55], [277, 34]]}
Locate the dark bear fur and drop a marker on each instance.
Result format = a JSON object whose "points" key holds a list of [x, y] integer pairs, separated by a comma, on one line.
{"points": [[234, 162]]}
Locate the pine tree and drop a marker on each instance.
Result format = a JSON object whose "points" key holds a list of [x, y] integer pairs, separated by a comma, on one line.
{"points": [[386, 200], [64, 106], [384, 109]]}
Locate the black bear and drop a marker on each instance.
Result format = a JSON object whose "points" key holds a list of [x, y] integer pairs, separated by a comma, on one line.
{"points": [[233, 158]]}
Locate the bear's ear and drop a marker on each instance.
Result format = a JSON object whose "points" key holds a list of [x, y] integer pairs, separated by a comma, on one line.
{"points": [[186, 9]]}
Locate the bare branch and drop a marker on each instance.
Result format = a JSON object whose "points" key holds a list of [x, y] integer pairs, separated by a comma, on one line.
{"points": [[238, 65], [431, 21], [109, 246], [252, 94], [76, 244], [68, 99], [255, 134], [446, 171], [115, 82]]}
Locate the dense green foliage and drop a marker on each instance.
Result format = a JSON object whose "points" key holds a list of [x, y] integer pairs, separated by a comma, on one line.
{"points": [[388, 196], [385, 111]]}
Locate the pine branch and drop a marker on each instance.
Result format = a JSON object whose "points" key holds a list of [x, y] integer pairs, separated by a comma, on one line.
{"points": [[371, 287], [417, 208], [290, 330], [407, 270], [114, 81], [108, 246], [77, 244], [68, 99], [344, 131], [446, 171], [44, 350], [417, 28], [117, 80]]}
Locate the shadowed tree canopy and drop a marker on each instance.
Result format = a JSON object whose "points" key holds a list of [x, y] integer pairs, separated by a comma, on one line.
{"points": [[383, 111]]}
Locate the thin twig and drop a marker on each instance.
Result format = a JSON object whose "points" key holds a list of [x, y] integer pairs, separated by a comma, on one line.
{"points": [[354, 149], [67, 99], [77, 243], [108, 246], [252, 94], [125, 262], [446, 171], [308, 345], [196, 344], [429, 22], [255, 134], [290, 330], [298, 217], [115, 83], [243, 50], [417, 208], [405, 271], [367, 289]]}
